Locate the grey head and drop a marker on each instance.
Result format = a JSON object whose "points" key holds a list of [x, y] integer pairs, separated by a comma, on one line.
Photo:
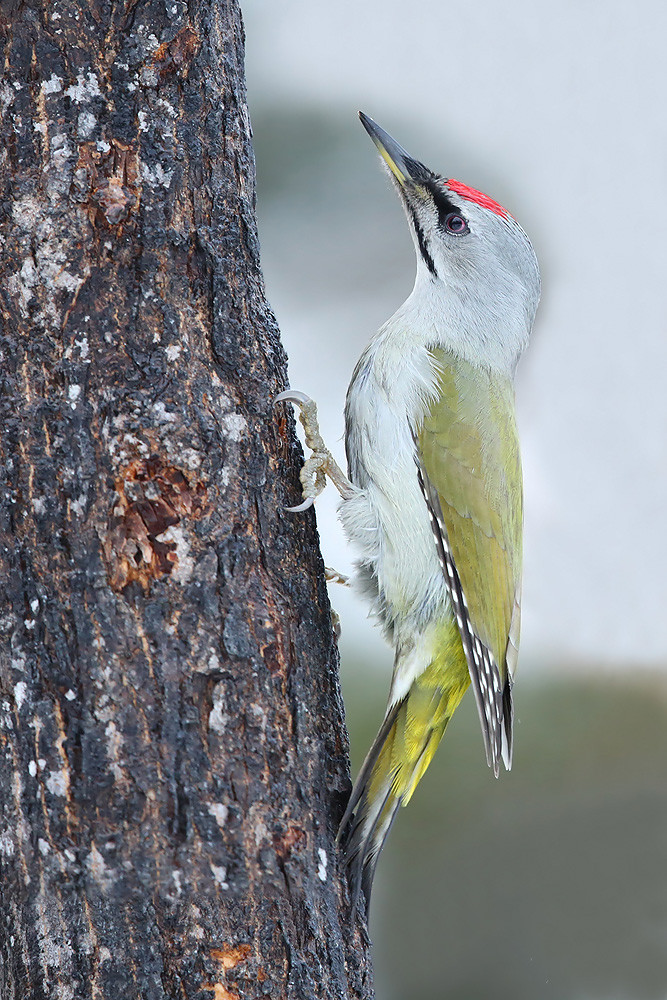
{"points": [[476, 268]]}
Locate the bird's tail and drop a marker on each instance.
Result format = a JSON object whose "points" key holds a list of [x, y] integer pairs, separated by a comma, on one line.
{"points": [[401, 753]]}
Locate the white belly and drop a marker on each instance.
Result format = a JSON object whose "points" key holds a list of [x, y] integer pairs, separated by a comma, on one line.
{"points": [[388, 520]]}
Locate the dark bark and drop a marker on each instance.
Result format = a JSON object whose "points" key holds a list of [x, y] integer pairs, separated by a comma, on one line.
{"points": [[173, 753]]}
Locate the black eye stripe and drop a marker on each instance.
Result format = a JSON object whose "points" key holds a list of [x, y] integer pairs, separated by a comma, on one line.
{"points": [[428, 260], [443, 203]]}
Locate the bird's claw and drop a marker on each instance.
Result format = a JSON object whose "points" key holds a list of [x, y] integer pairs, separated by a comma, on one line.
{"points": [[308, 502], [321, 464], [313, 473], [292, 396]]}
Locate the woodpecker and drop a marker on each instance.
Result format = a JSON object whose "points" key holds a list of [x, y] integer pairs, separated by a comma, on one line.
{"points": [[434, 498]]}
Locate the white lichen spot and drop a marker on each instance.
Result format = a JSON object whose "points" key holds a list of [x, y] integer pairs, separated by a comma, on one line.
{"points": [[44, 846], [17, 662], [104, 955], [22, 284], [220, 876], [97, 866], [162, 415], [79, 505], [233, 426], [169, 108], [54, 947], [68, 281], [258, 827], [85, 124], [58, 782], [39, 127], [322, 867], [61, 150], [143, 123], [103, 146], [26, 212], [70, 695], [185, 565], [156, 177], [41, 763], [32, 768], [178, 880], [190, 458], [34, 604], [114, 747], [83, 346], [20, 691], [84, 89], [219, 812], [29, 623], [173, 351], [259, 714], [213, 662], [74, 392], [149, 77], [7, 846], [218, 720], [39, 505], [7, 96]]}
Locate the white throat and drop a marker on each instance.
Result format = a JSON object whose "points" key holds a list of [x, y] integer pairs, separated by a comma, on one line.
{"points": [[487, 332]]}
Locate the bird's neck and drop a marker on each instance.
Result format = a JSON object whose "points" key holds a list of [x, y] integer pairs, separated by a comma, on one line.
{"points": [[441, 315]]}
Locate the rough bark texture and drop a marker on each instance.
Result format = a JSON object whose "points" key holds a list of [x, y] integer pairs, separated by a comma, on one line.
{"points": [[173, 759]]}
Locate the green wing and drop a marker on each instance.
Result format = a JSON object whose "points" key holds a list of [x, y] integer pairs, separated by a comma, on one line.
{"points": [[470, 471]]}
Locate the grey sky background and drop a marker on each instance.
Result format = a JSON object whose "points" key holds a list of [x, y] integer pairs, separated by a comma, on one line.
{"points": [[557, 111]]}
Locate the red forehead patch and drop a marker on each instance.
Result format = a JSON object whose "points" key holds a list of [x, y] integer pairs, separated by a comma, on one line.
{"points": [[480, 199]]}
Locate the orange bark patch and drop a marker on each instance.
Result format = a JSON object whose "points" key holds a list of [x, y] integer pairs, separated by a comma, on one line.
{"points": [[229, 958], [151, 496], [107, 182], [175, 56], [294, 837]]}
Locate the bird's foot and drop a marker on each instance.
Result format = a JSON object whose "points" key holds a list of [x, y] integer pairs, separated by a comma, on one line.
{"points": [[333, 576], [321, 463]]}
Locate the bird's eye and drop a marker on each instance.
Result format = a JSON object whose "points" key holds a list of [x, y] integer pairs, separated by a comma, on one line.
{"points": [[456, 224]]}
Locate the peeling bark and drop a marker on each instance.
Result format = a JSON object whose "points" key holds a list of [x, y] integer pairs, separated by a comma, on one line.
{"points": [[173, 758]]}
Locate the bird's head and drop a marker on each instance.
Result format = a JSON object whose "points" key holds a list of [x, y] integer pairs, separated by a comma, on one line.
{"points": [[474, 262]]}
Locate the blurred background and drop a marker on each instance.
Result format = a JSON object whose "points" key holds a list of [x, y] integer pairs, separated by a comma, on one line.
{"points": [[552, 881]]}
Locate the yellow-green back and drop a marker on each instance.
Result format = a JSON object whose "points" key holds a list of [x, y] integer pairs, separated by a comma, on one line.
{"points": [[469, 449]]}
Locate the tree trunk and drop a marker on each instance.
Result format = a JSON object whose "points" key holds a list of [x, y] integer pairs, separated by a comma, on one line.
{"points": [[174, 758]]}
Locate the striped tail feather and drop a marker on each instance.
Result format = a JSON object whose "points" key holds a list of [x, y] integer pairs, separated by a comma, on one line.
{"points": [[399, 757]]}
